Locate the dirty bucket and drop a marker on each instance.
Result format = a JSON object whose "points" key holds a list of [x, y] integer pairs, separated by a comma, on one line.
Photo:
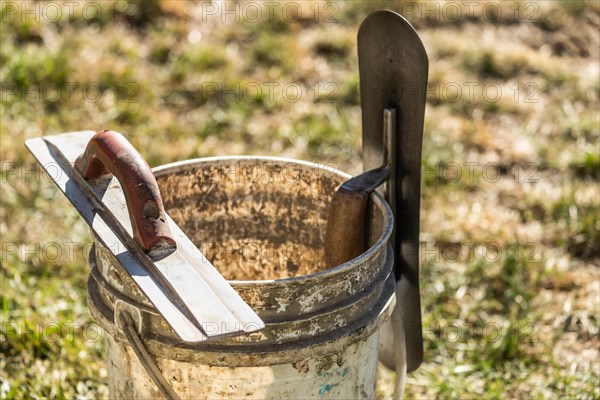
{"points": [[261, 222]]}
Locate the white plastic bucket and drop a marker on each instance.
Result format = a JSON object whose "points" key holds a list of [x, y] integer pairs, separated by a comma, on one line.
{"points": [[261, 221]]}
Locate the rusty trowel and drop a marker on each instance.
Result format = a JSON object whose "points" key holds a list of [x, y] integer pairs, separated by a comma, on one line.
{"points": [[115, 192], [393, 68]]}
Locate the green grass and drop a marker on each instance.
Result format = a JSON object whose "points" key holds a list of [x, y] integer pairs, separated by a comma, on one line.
{"points": [[510, 252]]}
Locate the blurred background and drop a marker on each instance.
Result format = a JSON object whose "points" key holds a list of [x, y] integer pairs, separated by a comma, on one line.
{"points": [[510, 226]]}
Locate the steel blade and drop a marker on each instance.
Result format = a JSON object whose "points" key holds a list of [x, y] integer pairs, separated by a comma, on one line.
{"points": [[393, 68]]}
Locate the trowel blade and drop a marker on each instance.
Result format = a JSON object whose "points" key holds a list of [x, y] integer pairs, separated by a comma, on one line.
{"points": [[393, 69], [196, 301]]}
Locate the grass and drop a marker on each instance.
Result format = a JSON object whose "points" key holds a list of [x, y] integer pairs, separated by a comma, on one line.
{"points": [[510, 220]]}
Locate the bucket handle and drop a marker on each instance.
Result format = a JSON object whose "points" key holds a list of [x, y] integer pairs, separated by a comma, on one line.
{"points": [[128, 327], [109, 152]]}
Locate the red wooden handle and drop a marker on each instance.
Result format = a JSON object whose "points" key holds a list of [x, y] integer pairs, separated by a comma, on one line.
{"points": [[109, 152]]}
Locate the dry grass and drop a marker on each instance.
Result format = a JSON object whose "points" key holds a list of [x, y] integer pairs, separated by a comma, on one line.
{"points": [[510, 251]]}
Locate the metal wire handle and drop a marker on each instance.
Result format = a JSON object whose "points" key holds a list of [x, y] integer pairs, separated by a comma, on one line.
{"points": [[128, 326]]}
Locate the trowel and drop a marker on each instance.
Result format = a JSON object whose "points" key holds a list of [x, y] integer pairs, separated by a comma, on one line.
{"points": [[114, 190], [393, 67]]}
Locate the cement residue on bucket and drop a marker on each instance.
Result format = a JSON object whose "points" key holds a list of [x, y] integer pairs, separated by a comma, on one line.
{"points": [[249, 259], [266, 237], [253, 220]]}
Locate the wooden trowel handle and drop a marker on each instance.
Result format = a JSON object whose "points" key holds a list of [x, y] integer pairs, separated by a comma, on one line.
{"points": [[345, 237], [345, 234], [109, 152]]}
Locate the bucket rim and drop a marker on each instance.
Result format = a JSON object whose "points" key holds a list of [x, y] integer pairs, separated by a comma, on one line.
{"points": [[340, 269]]}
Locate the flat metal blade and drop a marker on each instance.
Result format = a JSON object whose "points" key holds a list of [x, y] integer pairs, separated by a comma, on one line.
{"points": [[393, 67], [196, 301]]}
